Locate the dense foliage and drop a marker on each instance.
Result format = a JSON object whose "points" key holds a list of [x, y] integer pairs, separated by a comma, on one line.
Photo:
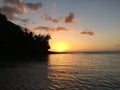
{"points": [[17, 40]]}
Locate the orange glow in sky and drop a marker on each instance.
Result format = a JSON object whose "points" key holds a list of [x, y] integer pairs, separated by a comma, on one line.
{"points": [[60, 47]]}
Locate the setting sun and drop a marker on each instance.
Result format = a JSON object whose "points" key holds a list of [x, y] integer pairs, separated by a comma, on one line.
{"points": [[60, 47]]}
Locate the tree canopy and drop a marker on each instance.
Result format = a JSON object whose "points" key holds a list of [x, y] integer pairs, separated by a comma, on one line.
{"points": [[15, 39]]}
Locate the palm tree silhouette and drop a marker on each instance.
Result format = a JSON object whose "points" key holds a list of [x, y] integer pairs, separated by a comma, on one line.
{"points": [[17, 40]]}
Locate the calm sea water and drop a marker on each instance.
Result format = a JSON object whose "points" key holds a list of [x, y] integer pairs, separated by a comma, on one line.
{"points": [[75, 71]]}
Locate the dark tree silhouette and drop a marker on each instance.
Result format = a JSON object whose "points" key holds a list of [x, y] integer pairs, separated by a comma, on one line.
{"points": [[20, 41]]}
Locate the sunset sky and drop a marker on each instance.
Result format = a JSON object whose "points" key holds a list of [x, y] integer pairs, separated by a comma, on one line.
{"points": [[74, 25]]}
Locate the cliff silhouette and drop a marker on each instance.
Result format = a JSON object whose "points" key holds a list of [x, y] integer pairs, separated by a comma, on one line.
{"points": [[18, 41]]}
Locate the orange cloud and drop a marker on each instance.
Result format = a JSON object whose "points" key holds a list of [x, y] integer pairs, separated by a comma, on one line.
{"points": [[62, 29], [50, 29]]}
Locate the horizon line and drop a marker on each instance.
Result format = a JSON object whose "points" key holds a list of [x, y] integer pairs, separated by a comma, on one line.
{"points": [[85, 52]]}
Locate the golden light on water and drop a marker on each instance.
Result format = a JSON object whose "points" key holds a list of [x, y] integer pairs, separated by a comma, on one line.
{"points": [[60, 47]]}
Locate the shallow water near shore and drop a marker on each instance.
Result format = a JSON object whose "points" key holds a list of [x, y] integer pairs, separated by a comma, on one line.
{"points": [[73, 71]]}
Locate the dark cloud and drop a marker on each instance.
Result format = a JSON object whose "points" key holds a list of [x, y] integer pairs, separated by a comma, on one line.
{"points": [[50, 19], [10, 12], [87, 33], [69, 18], [13, 8], [32, 6], [13, 2], [50, 29]]}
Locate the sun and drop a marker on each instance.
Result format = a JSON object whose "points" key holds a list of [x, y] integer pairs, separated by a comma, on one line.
{"points": [[60, 47]]}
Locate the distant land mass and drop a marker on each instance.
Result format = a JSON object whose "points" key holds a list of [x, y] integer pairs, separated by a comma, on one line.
{"points": [[95, 52], [18, 41]]}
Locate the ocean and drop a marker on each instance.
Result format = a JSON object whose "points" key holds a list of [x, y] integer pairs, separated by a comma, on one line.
{"points": [[68, 71]]}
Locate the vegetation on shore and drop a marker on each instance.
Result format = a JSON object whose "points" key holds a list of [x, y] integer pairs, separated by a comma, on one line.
{"points": [[18, 41]]}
